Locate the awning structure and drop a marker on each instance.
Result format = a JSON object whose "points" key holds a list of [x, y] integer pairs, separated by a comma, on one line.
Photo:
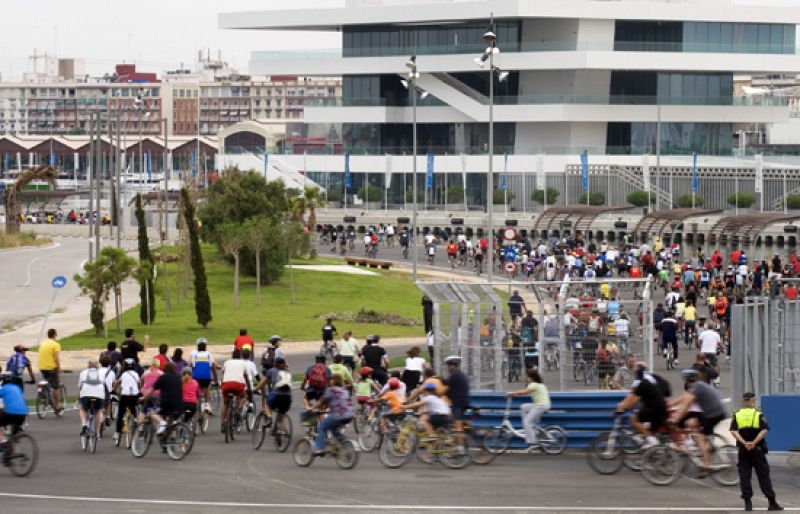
{"points": [[655, 223], [578, 217], [747, 227]]}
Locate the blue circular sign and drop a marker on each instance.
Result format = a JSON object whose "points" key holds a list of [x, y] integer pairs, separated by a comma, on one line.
{"points": [[59, 282]]}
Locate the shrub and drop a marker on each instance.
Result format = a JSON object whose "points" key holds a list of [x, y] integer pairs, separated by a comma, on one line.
{"points": [[793, 202], [455, 194], [333, 195], [742, 199], [595, 198], [420, 194], [370, 193], [640, 198], [552, 195], [500, 196], [685, 201]]}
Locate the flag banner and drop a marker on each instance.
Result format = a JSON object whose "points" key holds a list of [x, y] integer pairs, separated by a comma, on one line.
{"points": [[429, 177], [266, 165], [695, 181], [19, 160], [504, 184], [194, 163], [149, 158], [5, 162], [52, 159], [169, 165], [646, 172], [541, 181], [387, 182], [348, 180], [759, 186], [30, 159], [124, 160], [464, 173], [585, 171], [76, 158]]}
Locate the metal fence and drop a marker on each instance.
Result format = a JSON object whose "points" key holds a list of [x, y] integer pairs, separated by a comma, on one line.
{"points": [[765, 353]]}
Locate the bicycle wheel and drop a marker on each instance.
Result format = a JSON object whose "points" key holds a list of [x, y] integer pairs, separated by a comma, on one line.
{"points": [[369, 438], [605, 455], [631, 452], [92, 440], [362, 418], [179, 441], [724, 460], [230, 424], [397, 449], [259, 431], [478, 452], [346, 454], [203, 421], [303, 452], [497, 440], [85, 441], [452, 454], [282, 437], [141, 439], [215, 398], [661, 465], [249, 420], [41, 405], [24, 455], [553, 440]]}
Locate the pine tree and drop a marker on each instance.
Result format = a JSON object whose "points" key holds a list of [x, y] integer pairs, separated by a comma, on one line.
{"points": [[146, 292], [202, 302]]}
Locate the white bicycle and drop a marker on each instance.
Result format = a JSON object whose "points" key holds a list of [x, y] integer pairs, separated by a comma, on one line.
{"points": [[552, 439]]}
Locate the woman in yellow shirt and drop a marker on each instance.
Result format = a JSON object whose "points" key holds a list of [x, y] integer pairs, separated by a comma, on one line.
{"points": [[689, 319]]}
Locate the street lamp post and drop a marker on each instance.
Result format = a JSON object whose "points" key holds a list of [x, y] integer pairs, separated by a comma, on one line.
{"points": [[488, 55]]}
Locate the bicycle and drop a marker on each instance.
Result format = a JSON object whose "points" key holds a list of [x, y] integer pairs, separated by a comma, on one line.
{"points": [[281, 430], [232, 423], [400, 444], [21, 453], [552, 439], [552, 357], [89, 437], [44, 399], [670, 357], [609, 451], [215, 396], [129, 423], [177, 440], [343, 450], [405, 251], [248, 416], [664, 464]]}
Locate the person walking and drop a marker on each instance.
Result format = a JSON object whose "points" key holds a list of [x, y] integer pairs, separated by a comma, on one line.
{"points": [[749, 427]]}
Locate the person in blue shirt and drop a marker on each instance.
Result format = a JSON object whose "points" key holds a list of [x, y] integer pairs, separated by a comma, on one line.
{"points": [[19, 362], [14, 407]]}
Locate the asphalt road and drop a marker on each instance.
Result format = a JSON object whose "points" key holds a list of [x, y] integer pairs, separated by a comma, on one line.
{"points": [[218, 476]]}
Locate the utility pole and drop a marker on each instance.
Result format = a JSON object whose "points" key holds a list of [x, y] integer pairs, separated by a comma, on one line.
{"points": [[97, 182], [90, 172]]}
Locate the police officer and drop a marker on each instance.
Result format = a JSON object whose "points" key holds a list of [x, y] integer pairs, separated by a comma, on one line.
{"points": [[749, 428]]}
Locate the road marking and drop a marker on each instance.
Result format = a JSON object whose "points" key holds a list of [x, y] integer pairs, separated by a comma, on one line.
{"points": [[28, 272], [350, 507]]}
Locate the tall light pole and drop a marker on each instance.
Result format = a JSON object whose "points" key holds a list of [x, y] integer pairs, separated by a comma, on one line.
{"points": [[488, 55], [411, 85]]}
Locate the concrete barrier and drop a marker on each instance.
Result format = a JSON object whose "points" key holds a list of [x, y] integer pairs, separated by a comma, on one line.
{"points": [[70, 230], [583, 415]]}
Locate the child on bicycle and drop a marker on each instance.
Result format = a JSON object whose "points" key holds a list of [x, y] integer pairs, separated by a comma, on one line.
{"points": [[437, 413], [15, 409], [394, 399], [532, 412]]}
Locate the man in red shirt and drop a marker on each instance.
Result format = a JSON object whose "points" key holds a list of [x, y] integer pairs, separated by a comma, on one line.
{"points": [[791, 292], [735, 257], [243, 339]]}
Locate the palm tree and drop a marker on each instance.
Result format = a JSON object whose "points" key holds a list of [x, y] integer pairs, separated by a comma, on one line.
{"points": [[47, 173], [313, 200], [297, 208]]}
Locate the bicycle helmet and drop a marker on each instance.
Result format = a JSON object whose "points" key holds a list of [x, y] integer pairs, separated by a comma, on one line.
{"points": [[274, 339], [394, 383], [201, 340], [689, 374], [453, 359], [365, 371], [430, 386], [129, 363], [20, 348], [373, 339]]}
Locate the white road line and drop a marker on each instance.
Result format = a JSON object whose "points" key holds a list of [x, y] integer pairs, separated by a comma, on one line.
{"points": [[28, 272], [350, 507]]}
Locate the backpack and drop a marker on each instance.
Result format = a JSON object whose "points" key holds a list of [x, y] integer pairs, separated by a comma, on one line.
{"points": [[284, 382], [268, 358], [12, 365], [318, 378], [551, 327], [93, 377], [662, 386]]}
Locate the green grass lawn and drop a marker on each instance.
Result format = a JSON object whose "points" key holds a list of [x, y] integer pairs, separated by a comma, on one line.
{"points": [[317, 293]]}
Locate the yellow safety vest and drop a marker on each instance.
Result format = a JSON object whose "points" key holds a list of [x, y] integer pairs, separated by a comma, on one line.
{"points": [[748, 417]]}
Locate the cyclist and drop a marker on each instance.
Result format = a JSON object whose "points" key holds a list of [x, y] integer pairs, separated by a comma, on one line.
{"points": [[148, 380], [532, 412], [190, 394], [170, 388], [271, 354], [375, 357], [340, 412], [669, 335], [437, 411], [91, 386], [653, 406], [328, 344], [50, 366], [315, 381], [708, 400], [452, 253], [338, 368], [457, 391], [431, 254], [243, 339], [404, 241], [203, 370], [236, 381], [349, 350], [395, 400], [15, 409], [18, 363], [710, 343], [279, 381], [128, 385]]}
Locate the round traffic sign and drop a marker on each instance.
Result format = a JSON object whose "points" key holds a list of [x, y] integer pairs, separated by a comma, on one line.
{"points": [[510, 267], [509, 234], [59, 282]]}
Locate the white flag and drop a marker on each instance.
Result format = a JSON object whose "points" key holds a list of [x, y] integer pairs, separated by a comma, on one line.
{"points": [[124, 161], [540, 177], [30, 159], [19, 161], [77, 161], [646, 172], [759, 186], [464, 173], [388, 180]]}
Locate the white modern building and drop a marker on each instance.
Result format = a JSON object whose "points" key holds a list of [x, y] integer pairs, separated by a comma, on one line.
{"points": [[584, 75]]}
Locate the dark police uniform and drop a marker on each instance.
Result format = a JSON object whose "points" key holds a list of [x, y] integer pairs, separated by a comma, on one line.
{"points": [[749, 422]]}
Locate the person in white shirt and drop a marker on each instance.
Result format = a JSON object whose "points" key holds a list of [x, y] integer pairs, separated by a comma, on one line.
{"points": [[710, 341], [412, 375], [437, 411], [92, 387], [349, 349], [128, 386], [236, 381], [622, 331]]}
